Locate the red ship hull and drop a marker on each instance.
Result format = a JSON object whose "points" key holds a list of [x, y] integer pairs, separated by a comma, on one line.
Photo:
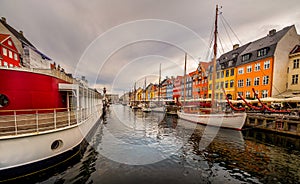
{"points": [[29, 90]]}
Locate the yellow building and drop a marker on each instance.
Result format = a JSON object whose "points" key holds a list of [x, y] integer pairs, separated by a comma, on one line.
{"points": [[294, 70], [228, 64], [229, 82], [139, 94], [219, 82]]}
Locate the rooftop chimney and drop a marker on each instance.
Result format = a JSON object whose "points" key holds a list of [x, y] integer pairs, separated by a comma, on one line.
{"points": [[272, 32], [3, 19], [21, 32], [235, 46]]}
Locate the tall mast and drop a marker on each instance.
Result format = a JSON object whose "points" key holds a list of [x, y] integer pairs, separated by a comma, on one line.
{"points": [[145, 90], [184, 79], [159, 81], [214, 61], [134, 97]]}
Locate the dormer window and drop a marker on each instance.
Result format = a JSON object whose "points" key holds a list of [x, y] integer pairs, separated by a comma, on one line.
{"points": [[262, 52], [245, 57], [234, 55]]}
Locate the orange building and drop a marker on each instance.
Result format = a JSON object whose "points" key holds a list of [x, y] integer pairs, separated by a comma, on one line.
{"points": [[257, 75], [263, 64], [200, 81]]}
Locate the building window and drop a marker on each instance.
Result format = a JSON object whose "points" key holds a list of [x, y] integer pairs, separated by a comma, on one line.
{"points": [[16, 56], [226, 84], [222, 74], [240, 70], [210, 86], [248, 94], [295, 79], [264, 93], [256, 81], [9, 43], [256, 93], [10, 55], [249, 69], [267, 64], [232, 72], [265, 80], [227, 73], [5, 64], [4, 51], [245, 57], [257, 67], [231, 83], [296, 63], [240, 83], [210, 76], [262, 52], [218, 75], [240, 93], [222, 85], [248, 82]]}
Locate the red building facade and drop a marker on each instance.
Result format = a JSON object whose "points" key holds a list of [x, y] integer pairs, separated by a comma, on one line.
{"points": [[177, 88], [9, 55]]}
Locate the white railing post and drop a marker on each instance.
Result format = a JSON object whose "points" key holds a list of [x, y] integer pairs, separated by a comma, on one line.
{"points": [[69, 116], [37, 121], [54, 113], [81, 114], [77, 115], [16, 125]]}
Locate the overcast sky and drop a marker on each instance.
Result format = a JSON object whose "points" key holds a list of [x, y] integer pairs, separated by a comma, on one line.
{"points": [[115, 43]]}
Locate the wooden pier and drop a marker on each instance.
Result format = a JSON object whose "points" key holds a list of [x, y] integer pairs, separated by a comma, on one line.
{"points": [[281, 123]]}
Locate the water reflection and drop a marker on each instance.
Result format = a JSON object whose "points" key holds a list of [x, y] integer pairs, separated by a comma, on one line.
{"points": [[137, 147]]}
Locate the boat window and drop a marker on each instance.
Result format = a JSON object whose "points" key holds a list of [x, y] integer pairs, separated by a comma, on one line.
{"points": [[3, 100], [56, 145]]}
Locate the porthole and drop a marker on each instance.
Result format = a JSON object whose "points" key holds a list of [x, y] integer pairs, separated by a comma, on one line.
{"points": [[3, 100], [56, 145]]}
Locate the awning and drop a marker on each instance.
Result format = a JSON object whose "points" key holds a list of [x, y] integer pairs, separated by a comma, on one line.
{"points": [[67, 87], [288, 94]]}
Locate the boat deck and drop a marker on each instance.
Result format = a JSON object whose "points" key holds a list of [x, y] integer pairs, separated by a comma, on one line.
{"points": [[18, 124]]}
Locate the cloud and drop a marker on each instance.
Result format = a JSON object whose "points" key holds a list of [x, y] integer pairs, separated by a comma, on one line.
{"points": [[65, 30]]}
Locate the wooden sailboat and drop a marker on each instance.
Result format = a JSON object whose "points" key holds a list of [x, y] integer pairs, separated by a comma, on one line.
{"points": [[214, 117]]}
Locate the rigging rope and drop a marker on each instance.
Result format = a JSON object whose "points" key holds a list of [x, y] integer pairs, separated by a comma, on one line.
{"points": [[220, 41], [222, 20], [222, 17], [209, 50]]}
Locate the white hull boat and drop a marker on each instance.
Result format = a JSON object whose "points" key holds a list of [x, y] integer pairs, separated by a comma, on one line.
{"points": [[224, 120]]}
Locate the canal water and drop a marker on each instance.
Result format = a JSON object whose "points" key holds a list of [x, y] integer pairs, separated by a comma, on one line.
{"points": [[136, 147]]}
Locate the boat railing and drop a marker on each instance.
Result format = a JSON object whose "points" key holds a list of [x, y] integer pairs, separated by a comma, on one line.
{"points": [[35, 121]]}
